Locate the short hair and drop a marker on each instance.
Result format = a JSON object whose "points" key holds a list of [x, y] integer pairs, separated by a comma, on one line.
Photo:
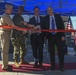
{"points": [[36, 8], [50, 7], [8, 6], [21, 8]]}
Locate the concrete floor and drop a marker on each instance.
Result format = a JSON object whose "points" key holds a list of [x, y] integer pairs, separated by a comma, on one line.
{"points": [[68, 59]]}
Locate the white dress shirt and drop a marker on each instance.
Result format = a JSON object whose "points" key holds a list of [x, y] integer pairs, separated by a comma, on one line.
{"points": [[38, 26]]}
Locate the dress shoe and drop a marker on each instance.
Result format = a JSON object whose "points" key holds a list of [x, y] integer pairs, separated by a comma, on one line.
{"points": [[35, 65], [10, 66], [62, 69], [52, 68], [8, 69], [40, 65]]}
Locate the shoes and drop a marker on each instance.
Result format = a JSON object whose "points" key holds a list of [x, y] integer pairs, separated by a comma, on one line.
{"points": [[9, 68], [62, 69], [52, 68], [40, 65], [17, 64], [35, 65]]}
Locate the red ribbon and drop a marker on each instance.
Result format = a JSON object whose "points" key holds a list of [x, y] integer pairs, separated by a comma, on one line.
{"points": [[43, 30]]}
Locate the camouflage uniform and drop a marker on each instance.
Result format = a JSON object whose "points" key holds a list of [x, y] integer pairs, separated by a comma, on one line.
{"points": [[18, 38]]}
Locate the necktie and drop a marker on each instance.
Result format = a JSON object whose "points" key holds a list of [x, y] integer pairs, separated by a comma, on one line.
{"points": [[53, 25], [37, 19]]}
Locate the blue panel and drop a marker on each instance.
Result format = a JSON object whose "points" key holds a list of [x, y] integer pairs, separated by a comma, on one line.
{"points": [[65, 7]]}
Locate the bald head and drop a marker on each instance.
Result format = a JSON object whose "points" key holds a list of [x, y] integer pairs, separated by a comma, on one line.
{"points": [[9, 8]]}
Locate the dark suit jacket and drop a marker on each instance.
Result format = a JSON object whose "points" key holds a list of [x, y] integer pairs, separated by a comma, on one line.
{"points": [[59, 24], [33, 21]]}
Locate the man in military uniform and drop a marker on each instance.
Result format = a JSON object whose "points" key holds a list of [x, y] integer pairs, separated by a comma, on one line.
{"points": [[18, 38], [5, 36]]}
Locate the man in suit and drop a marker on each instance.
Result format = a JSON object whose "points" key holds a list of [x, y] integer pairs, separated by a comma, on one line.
{"points": [[54, 22], [37, 38]]}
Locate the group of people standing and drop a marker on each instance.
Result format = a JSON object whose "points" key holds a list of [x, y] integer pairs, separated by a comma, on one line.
{"points": [[50, 22]]}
